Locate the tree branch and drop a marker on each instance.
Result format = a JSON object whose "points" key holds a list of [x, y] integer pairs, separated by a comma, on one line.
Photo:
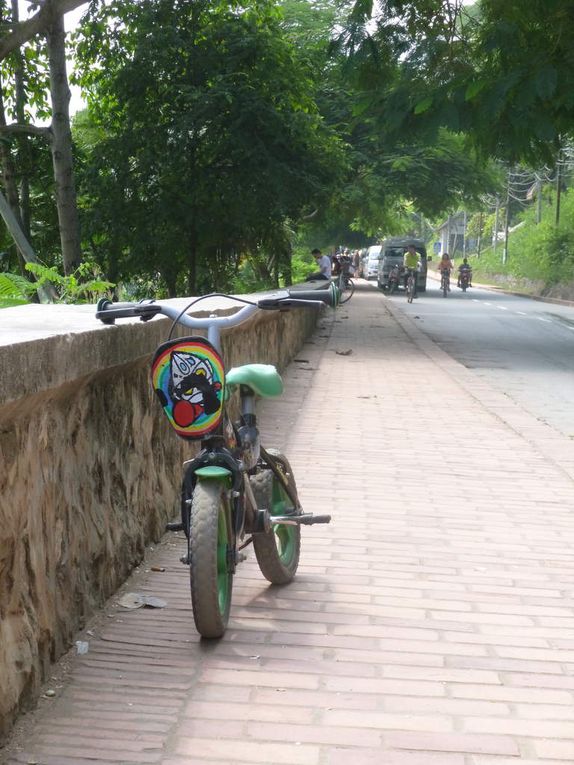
{"points": [[37, 24], [23, 129]]}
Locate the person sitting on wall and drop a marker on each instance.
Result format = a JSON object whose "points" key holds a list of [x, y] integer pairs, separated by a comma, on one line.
{"points": [[323, 264]]}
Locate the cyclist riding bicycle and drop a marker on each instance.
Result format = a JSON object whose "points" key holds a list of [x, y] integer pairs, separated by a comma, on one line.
{"points": [[446, 264], [411, 264]]}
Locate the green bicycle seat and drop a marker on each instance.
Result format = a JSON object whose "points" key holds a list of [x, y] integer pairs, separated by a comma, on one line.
{"points": [[263, 379]]}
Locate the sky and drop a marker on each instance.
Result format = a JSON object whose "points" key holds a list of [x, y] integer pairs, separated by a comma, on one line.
{"points": [[71, 20]]}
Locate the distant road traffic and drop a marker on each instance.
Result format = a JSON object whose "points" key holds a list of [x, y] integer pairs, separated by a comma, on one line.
{"points": [[524, 348]]}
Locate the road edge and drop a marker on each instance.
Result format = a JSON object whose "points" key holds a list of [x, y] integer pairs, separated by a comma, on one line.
{"points": [[554, 446]]}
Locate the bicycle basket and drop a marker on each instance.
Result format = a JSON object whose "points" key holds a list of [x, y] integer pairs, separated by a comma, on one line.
{"points": [[188, 377]]}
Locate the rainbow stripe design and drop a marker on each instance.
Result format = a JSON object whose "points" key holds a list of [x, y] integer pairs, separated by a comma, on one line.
{"points": [[189, 379]]}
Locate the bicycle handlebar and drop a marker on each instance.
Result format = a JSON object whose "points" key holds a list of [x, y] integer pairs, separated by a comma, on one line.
{"points": [[107, 311]]}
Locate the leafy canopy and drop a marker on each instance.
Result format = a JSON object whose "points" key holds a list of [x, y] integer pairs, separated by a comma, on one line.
{"points": [[212, 136]]}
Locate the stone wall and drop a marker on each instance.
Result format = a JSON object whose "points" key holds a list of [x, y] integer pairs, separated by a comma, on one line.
{"points": [[89, 470]]}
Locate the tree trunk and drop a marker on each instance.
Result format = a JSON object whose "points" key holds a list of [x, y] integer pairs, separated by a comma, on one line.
{"points": [[286, 268], [62, 148], [192, 272], [23, 143], [10, 205], [9, 180]]}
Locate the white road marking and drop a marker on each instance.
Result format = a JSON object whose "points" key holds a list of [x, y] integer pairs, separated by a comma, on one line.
{"points": [[502, 308], [521, 313]]}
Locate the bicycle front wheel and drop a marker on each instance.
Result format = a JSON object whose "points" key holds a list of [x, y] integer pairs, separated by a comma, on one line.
{"points": [[277, 550], [410, 289], [211, 574]]}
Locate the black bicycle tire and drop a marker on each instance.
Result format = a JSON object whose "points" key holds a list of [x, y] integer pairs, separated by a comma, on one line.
{"points": [[347, 292], [269, 557], [207, 513]]}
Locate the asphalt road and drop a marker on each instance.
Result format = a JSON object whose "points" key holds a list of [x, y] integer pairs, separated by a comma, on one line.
{"points": [[523, 347]]}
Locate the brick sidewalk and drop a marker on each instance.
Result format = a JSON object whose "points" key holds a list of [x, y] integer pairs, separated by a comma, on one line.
{"points": [[430, 624]]}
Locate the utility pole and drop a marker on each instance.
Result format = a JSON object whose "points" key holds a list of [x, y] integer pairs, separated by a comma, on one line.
{"points": [[464, 235], [479, 240], [558, 185], [506, 221], [538, 199], [496, 214]]}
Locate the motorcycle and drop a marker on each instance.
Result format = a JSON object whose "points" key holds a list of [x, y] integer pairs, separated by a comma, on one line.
{"points": [[464, 278], [394, 281]]}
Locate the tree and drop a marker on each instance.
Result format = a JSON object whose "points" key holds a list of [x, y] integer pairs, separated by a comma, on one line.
{"points": [[49, 21], [501, 72], [362, 93], [212, 140]]}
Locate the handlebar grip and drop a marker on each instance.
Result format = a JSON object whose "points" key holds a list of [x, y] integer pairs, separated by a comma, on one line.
{"points": [[107, 312], [286, 303]]}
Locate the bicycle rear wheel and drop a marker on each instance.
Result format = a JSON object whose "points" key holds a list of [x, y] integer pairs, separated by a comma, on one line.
{"points": [[277, 550], [211, 574], [347, 291]]}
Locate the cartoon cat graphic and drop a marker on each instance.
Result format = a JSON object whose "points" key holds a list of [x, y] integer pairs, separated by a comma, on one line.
{"points": [[191, 388]]}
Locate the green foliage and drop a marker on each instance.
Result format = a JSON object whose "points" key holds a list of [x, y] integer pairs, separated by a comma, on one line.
{"points": [[540, 254], [392, 167], [14, 290], [502, 72], [221, 136], [85, 285], [212, 139]]}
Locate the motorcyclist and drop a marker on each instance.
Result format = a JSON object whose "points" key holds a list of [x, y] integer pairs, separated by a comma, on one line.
{"points": [[465, 266]]}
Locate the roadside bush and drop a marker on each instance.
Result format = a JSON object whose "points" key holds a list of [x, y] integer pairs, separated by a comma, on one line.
{"points": [[539, 255]]}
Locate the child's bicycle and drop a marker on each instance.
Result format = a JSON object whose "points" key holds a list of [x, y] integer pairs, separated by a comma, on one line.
{"points": [[234, 492]]}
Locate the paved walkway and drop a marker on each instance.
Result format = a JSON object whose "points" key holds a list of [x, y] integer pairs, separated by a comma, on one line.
{"points": [[430, 624]]}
